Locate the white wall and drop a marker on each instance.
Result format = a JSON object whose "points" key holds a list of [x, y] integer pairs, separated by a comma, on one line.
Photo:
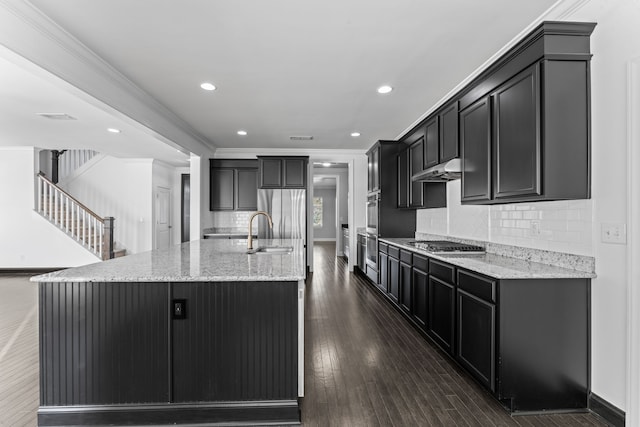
{"points": [[26, 239], [575, 226], [123, 189]]}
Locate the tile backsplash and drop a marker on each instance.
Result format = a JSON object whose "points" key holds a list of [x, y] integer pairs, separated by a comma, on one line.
{"points": [[231, 219], [561, 226]]}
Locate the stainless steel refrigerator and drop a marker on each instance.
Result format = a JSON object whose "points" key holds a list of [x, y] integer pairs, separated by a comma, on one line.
{"points": [[287, 209]]}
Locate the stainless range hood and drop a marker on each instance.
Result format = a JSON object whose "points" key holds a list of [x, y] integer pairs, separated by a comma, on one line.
{"points": [[447, 171]]}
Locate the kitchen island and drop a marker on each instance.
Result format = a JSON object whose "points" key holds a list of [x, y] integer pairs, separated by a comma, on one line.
{"points": [[199, 333]]}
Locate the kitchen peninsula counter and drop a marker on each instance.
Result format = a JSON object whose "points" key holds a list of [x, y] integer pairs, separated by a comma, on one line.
{"points": [[199, 333], [209, 260]]}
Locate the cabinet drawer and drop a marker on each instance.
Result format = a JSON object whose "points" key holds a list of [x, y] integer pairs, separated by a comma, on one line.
{"points": [[421, 263], [478, 286], [405, 256], [394, 252], [383, 247], [442, 271]]}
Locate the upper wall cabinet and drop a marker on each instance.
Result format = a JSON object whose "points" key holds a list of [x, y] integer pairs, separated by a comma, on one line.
{"points": [[525, 122], [283, 172], [233, 185]]}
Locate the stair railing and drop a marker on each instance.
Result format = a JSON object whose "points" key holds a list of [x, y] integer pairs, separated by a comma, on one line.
{"points": [[75, 219]]}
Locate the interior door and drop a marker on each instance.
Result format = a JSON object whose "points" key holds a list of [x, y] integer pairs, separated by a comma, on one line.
{"points": [[162, 218]]}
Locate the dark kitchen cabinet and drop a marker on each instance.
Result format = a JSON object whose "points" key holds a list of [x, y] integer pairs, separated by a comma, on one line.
{"points": [[362, 252], [449, 146], [405, 282], [441, 305], [246, 189], [416, 164], [432, 143], [383, 268], [283, 172], [393, 290], [525, 121], [420, 282], [373, 168], [222, 189], [404, 179], [416, 194], [383, 176], [233, 185], [476, 327], [475, 142], [516, 141]]}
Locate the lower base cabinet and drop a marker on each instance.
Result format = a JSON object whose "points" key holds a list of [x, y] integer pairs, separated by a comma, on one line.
{"points": [[440, 326], [476, 337], [524, 340]]}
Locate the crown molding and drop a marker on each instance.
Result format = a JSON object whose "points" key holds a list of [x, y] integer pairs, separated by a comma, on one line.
{"points": [[561, 10], [29, 33]]}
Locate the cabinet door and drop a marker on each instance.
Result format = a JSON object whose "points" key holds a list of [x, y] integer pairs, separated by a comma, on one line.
{"points": [[416, 162], [441, 313], [222, 189], [405, 287], [449, 133], [246, 189], [362, 256], [420, 297], [404, 179], [383, 268], [270, 173], [373, 179], [475, 141], [516, 142], [394, 279], [432, 143], [476, 337], [295, 173]]}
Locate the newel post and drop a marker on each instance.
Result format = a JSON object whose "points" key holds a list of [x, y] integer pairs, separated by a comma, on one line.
{"points": [[107, 250]]}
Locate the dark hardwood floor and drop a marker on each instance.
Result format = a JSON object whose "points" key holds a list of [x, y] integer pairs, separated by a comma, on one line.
{"points": [[364, 364]]}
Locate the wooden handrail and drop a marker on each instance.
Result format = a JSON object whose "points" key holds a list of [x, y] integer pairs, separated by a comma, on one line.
{"points": [[89, 211]]}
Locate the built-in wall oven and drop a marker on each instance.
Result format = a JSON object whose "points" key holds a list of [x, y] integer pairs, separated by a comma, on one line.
{"points": [[372, 214], [372, 237]]}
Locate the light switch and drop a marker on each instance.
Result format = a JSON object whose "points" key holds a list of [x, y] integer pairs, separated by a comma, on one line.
{"points": [[614, 233]]}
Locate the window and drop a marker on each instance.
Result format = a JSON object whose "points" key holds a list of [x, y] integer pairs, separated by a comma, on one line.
{"points": [[317, 211]]}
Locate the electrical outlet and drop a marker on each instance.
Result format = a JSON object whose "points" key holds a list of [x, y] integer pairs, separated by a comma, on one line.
{"points": [[614, 233], [535, 228]]}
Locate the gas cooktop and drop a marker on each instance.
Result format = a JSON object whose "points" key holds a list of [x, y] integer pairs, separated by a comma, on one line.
{"points": [[446, 247]]}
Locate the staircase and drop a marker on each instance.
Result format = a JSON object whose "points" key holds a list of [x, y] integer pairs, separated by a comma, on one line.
{"points": [[76, 220]]}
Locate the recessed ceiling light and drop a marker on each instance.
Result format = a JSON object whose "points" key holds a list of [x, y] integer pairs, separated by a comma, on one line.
{"points": [[113, 130], [355, 134], [385, 89], [242, 132], [208, 86]]}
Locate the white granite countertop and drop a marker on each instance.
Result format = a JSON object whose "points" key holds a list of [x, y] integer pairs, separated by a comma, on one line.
{"points": [[209, 260], [497, 266]]}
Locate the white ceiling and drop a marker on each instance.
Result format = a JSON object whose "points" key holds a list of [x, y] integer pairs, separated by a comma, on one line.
{"points": [[282, 67]]}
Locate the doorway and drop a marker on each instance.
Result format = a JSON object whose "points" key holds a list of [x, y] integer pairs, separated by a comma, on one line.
{"points": [[162, 213], [331, 181]]}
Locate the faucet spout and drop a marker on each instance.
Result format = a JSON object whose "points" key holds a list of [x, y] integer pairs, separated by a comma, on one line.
{"points": [[250, 236]]}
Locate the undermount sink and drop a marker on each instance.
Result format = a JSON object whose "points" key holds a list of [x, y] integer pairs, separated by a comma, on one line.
{"points": [[271, 250]]}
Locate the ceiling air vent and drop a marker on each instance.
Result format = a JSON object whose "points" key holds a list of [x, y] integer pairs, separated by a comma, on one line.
{"points": [[56, 116], [301, 138]]}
